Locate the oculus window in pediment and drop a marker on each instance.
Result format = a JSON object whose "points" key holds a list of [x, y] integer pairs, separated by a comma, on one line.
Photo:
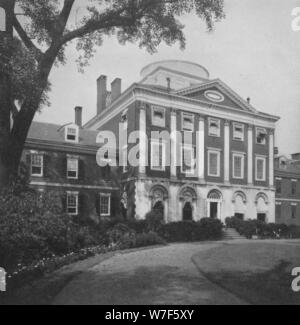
{"points": [[214, 96]]}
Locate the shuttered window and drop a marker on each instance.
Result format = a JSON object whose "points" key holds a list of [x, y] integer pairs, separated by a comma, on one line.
{"points": [[260, 169], [188, 160]]}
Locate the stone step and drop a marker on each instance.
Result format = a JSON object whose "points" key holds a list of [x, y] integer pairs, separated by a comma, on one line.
{"points": [[231, 234]]}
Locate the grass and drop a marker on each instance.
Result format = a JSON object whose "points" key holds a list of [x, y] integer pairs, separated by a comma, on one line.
{"points": [[257, 272]]}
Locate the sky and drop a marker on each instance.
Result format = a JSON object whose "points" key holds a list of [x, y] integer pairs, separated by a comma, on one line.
{"points": [[254, 51]]}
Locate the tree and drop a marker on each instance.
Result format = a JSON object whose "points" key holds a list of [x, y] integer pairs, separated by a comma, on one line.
{"points": [[44, 28]]}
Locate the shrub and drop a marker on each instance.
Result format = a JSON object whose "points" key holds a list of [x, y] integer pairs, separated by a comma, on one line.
{"points": [[294, 231], [149, 239], [121, 237], [154, 220], [188, 231]]}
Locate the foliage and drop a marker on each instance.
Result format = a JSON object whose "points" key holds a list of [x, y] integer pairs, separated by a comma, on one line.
{"points": [[189, 231], [120, 237], [149, 239], [154, 220], [249, 228]]}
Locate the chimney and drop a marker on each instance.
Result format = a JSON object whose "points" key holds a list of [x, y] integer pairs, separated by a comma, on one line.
{"points": [[116, 89], [248, 100], [78, 116], [101, 93]]}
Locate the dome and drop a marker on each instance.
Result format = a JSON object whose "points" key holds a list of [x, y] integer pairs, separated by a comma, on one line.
{"points": [[184, 67]]}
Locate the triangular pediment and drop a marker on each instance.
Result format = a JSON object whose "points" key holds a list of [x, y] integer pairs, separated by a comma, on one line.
{"points": [[218, 93]]}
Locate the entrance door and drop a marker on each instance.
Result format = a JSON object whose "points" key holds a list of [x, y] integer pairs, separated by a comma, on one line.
{"points": [[214, 210], [187, 212], [261, 217], [159, 208]]}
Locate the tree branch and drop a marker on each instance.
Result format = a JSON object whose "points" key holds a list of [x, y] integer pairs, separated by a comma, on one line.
{"points": [[27, 41]]}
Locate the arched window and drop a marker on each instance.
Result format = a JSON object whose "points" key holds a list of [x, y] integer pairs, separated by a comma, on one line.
{"points": [[214, 195], [2, 20]]}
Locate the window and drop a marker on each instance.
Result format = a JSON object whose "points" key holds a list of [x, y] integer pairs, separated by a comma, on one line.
{"points": [[187, 160], [71, 134], [158, 116], [214, 127], [261, 135], [238, 131], [187, 122], [104, 204], [72, 203], [37, 164], [158, 155], [72, 168], [278, 186], [238, 165], [260, 165], [293, 210], [2, 20], [294, 187], [278, 209], [213, 163]]}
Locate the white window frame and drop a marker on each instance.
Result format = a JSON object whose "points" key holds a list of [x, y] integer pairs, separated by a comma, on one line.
{"points": [[218, 163], [106, 195], [190, 116], [242, 156], [235, 132], [75, 170], [192, 151], [71, 127], [41, 174], [257, 158], [155, 122], [256, 134], [219, 127], [161, 143], [75, 194]]}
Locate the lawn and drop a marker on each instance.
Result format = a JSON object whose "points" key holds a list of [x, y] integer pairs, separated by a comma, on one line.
{"points": [[258, 272]]}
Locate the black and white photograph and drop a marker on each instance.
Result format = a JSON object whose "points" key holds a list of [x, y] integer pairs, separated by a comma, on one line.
{"points": [[149, 155]]}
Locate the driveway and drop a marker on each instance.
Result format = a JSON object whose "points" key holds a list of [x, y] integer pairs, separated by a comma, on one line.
{"points": [[160, 275]]}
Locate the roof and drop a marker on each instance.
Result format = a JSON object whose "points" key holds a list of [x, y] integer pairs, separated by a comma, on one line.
{"points": [[291, 167], [53, 133]]}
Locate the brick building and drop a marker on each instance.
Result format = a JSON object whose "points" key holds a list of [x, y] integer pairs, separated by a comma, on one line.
{"points": [[231, 143], [63, 159], [287, 181]]}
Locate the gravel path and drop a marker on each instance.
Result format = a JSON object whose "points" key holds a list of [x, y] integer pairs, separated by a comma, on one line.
{"points": [[161, 275]]}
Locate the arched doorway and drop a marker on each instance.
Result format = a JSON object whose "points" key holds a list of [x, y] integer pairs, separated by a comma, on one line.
{"points": [[187, 201], [214, 200], [239, 201], [159, 208], [159, 200], [187, 213], [262, 207]]}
